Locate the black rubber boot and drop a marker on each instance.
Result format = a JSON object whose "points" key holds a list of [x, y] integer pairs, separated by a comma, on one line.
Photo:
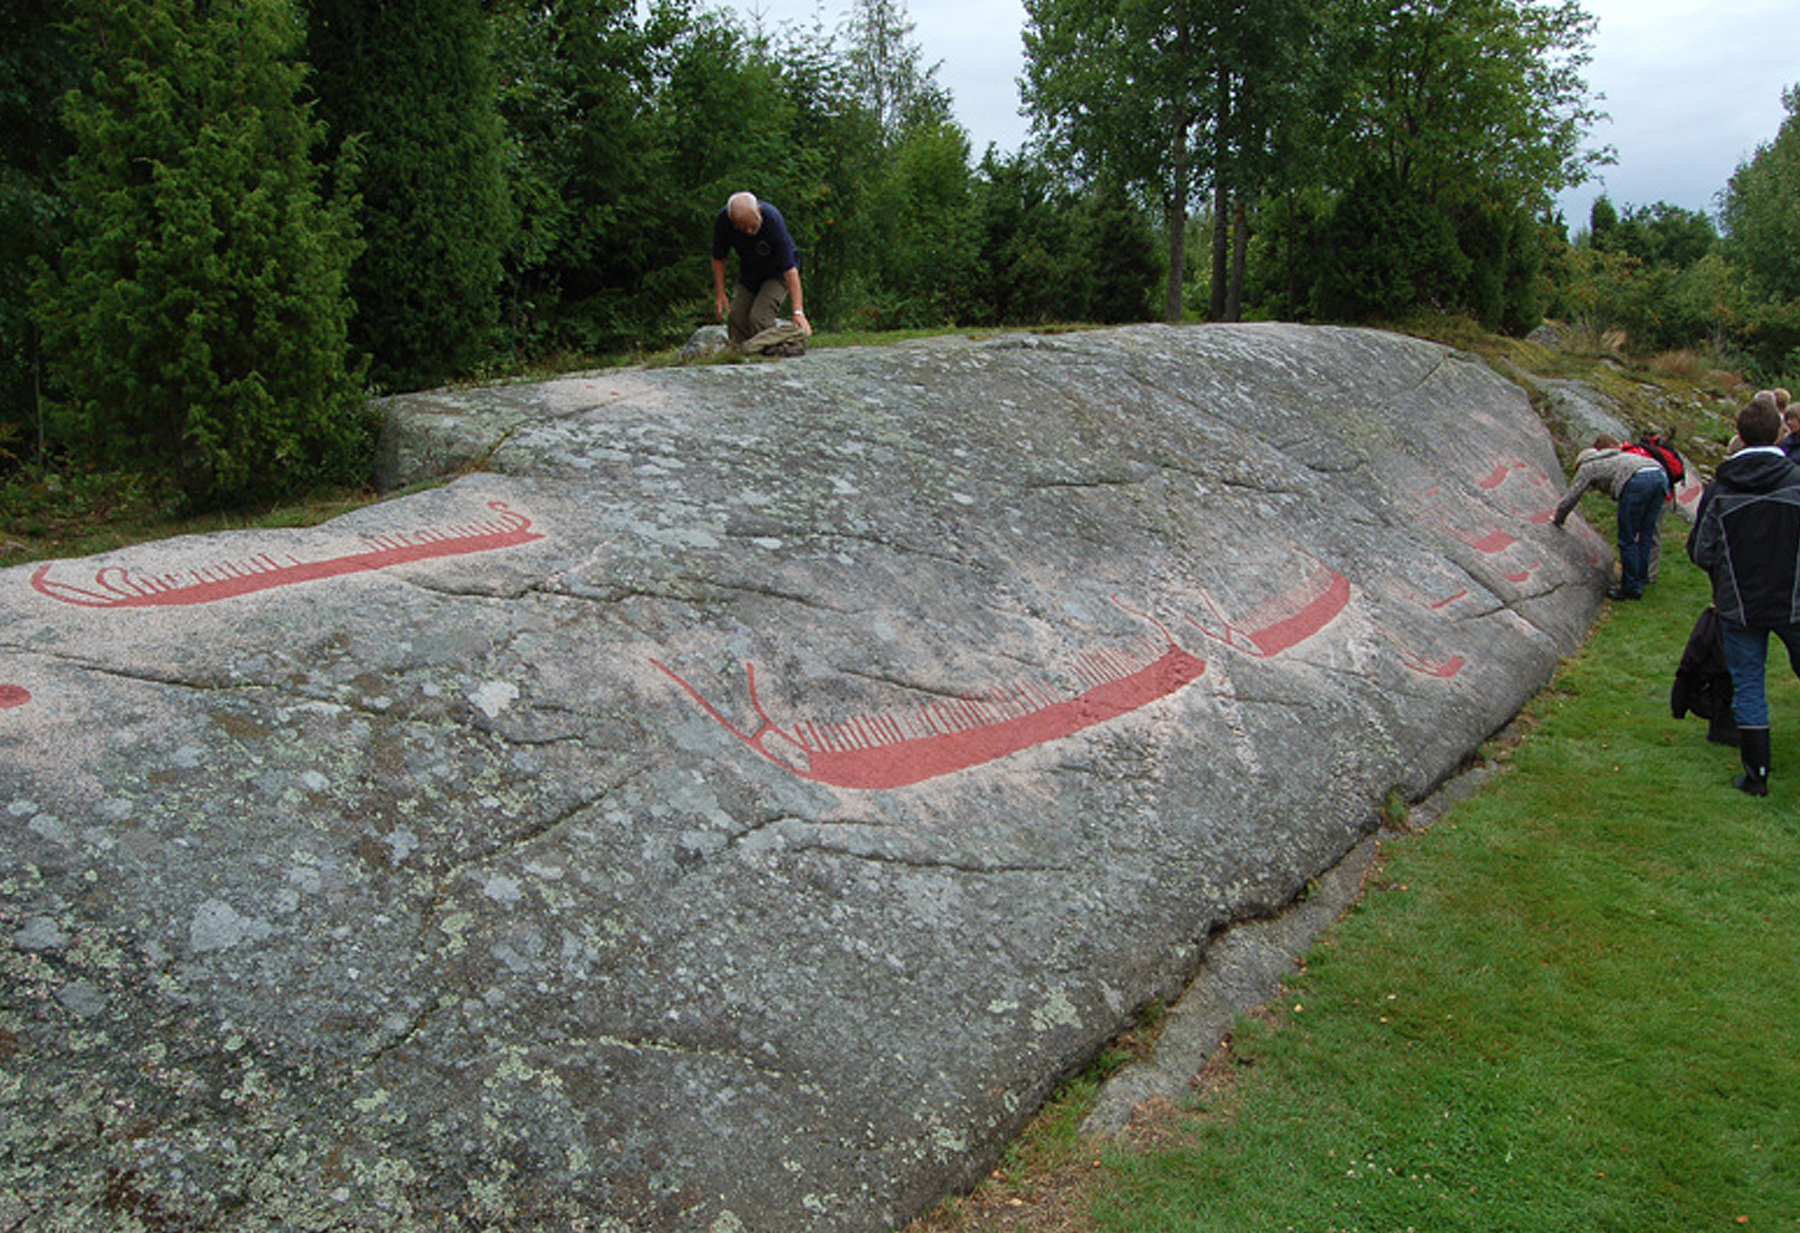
{"points": [[1754, 749]]}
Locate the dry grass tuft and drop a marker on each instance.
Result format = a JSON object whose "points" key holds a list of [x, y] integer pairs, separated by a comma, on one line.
{"points": [[1057, 1201], [1684, 365]]}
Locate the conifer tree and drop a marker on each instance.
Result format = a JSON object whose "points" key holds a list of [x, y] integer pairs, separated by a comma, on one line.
{"points": [[414, 80], [888, 71], [198, 318], [37, 67]]}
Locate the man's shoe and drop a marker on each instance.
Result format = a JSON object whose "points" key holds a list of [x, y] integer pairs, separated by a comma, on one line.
{"points": [[1620, 593]]}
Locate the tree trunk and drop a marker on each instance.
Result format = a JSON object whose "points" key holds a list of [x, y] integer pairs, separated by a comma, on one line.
{"points": [[1178, 186], [37, 391], [1222, 175], [1240, 249], [1221, 220]]}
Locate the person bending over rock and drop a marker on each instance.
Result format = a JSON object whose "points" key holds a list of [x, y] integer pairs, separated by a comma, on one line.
{"points": [[1639, 484], [1746, 536], [768, 270]]}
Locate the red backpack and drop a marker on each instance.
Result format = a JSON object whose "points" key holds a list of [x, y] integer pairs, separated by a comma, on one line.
{"points": [[1655, 445]]}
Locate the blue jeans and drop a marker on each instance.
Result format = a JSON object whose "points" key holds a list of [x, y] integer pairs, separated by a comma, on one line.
{"points": [[1640, 510], [1747, 657]]}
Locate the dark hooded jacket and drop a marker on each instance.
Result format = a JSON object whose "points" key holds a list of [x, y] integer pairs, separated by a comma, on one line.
{"points": [[1747, 537]]}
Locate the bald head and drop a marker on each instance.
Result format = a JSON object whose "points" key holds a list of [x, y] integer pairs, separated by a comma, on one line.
{"points": [[745, 212]]}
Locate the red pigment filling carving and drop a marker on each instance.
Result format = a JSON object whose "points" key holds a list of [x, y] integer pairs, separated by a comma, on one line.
{"points": [[1538, 507], [1495, 541], [897, 750], [1542, 492], [1286, 620], [1518, 467], [13, 695], [118, 587], [1442, 669], [1492, 543]]}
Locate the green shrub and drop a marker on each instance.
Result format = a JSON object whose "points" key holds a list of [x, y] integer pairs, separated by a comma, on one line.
{"points": [[414, 80], [1387, 249], [197, 321]]}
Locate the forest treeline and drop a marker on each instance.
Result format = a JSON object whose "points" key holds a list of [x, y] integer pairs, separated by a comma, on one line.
{"points": [[223, 223]]}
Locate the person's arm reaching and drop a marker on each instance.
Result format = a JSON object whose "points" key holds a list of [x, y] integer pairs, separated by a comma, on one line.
{"points": [[721, 301], [792, 276]]}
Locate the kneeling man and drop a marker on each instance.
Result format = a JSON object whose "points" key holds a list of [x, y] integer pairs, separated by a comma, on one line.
{"points": [[768, 269]]}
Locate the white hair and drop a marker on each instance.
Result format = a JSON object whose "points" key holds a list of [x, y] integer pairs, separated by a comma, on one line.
{"points": [[743, 205]]}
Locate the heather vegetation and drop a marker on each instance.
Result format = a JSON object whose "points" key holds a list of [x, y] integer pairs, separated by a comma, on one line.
{"points": [[224, 223]]}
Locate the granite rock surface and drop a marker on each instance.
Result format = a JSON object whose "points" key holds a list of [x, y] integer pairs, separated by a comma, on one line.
{"points": [[741, 800]]}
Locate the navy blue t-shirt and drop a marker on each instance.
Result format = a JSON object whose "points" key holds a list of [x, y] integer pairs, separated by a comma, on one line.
{"points": [[767, 254]]}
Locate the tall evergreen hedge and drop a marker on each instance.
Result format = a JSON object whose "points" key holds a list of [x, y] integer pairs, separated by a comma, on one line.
{"points": [[198, 318], [413, 80], [37, 67]]}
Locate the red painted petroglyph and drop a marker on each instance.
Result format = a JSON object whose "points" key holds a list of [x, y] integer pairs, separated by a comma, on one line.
{"points": [[1491, 543], [1438, 605], [1288, 619], [1494, 539], [118, 587], [1491, 540], [1439, 664], [1536, 503], [1517, 469], [1442, 669], [1431, 589], [899, 749], [13, 695]]}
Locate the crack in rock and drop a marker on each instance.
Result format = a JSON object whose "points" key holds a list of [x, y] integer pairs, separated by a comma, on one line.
{"points": [[548, 933]]}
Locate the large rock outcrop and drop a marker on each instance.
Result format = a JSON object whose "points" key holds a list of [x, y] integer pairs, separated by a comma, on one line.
{"points": [[736, 806]]}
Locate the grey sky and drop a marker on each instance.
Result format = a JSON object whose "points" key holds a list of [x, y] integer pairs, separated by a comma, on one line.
{"points": [[1692, 86]]}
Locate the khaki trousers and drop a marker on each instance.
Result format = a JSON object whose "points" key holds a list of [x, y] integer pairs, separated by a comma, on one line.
{"points": [[753, 325]]}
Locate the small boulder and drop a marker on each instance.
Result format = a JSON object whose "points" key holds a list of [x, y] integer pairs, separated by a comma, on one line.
{"points": [[705, 341]]}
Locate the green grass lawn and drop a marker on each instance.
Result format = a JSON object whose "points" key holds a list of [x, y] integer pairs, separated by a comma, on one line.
{"points": [[1571, 1004]]}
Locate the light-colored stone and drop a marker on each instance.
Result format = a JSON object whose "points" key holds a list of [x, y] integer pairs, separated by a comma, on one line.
{"points": [[705, 341], [745, 798]]}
